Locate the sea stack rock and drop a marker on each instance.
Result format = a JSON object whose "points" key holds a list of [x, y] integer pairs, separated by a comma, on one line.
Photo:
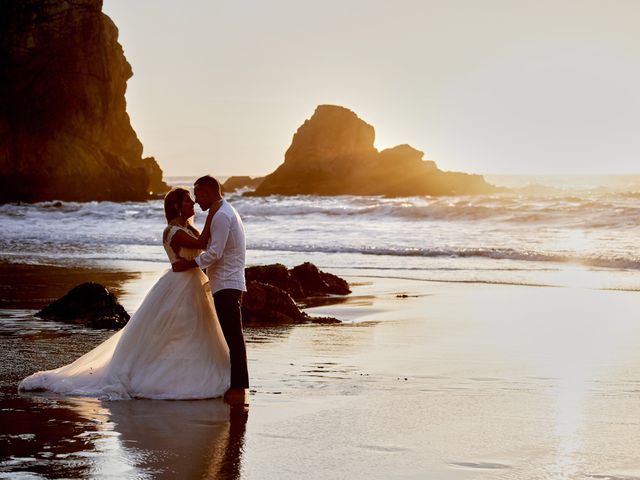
{"points": [[332, 153], [326, 155], [64, 130], [241, 181]]}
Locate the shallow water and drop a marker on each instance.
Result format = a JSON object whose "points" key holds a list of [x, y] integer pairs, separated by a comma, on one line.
{"points": [[531, 235], [89, 438], [469, 381]]}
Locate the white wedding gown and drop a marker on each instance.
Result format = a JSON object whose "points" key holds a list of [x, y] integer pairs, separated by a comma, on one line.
{"points": [[172, 347]]}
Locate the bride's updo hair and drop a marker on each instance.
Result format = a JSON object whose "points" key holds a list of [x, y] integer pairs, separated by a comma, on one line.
{"points": [[173, 202]]}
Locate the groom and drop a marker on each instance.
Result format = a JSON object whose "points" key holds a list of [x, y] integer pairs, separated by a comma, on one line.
{"points": [[224, 260]]}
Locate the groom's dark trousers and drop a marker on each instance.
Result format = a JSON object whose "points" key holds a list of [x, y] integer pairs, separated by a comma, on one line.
{"points": [[228, 303]]}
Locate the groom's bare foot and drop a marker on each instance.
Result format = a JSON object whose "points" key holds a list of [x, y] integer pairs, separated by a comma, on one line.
{"points": [[237, 396]]}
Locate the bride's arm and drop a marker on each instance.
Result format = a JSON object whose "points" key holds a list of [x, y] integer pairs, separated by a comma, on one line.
{"points": [[183, 239]]}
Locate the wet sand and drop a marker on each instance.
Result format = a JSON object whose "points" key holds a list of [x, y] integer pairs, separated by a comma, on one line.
{"points": [[35, 286], [422, 380]]}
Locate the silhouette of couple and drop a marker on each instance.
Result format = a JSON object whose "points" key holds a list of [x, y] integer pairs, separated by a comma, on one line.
{"points": [[185, 341]]}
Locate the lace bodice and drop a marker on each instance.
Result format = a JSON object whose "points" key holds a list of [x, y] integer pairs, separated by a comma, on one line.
{"points": [[188, 253]]}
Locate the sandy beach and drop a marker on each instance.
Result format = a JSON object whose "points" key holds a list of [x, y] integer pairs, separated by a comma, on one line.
{"points": [[421, 380]]}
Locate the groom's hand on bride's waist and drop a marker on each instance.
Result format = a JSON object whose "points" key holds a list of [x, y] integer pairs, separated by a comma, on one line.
{"points": [[182, 265]]}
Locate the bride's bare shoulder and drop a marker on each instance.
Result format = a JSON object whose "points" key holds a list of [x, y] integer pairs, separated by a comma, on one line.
{"points": [[165, 233]]}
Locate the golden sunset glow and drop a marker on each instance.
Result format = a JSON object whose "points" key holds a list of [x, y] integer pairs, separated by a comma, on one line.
{"points": [[295, 239], [482, 87]]}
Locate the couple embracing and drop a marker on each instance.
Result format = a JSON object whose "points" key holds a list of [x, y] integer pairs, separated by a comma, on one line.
{"points": [[185, 341]]}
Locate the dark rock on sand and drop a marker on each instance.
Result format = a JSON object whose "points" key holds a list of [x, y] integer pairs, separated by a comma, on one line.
{"points": [[272, 292], [240, 181], [300, 282], [89, 304], [316, 282], [332, 153], [276, 275], [266, 304], [64, 130]]}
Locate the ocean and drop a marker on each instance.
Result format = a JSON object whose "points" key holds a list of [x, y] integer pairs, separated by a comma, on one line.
{"points": [[553, 231], [465, 375]]}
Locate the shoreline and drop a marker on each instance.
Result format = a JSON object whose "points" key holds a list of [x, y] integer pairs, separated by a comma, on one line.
{"points": [[34, 286], [420, 380]]}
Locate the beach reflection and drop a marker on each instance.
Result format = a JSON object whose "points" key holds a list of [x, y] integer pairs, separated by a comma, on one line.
{"points": [[134, 439], [181, 439]]}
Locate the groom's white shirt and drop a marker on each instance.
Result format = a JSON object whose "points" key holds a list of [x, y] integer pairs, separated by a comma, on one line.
{"points": [[224, 258]]}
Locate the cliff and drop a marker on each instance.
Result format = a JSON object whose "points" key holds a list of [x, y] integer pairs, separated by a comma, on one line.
{"points": [[64, 130], [332, 153]]}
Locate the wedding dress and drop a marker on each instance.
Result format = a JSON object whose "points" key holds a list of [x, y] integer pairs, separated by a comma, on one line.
{"points": [[172, 347]]}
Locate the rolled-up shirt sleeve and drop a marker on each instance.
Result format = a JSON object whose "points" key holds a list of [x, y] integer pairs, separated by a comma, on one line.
{"points": [[220, 226]]}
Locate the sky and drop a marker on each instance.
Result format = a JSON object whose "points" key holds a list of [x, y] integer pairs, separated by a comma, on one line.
{"points": [[481, 86]]}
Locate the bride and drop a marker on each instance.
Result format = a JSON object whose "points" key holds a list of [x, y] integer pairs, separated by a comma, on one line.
{"points": [[172, 347]]}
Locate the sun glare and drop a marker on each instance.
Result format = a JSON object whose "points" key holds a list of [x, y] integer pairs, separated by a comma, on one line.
{"points": [[575, 244]]}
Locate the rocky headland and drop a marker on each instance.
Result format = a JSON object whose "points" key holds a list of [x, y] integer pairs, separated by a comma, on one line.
{"points": [[332, 153], [64, 130]]}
